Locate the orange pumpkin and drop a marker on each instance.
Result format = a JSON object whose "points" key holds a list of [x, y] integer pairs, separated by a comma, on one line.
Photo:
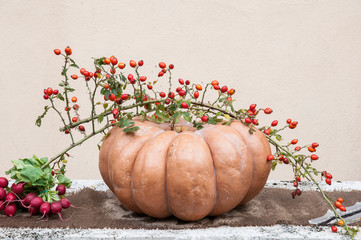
{"points": [[188, 174]]}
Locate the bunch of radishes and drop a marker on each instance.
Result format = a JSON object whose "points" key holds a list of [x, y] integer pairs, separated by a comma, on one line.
{"points": [[14, 198]]}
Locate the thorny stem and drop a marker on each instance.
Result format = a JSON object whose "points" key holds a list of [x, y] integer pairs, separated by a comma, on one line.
{"points": [[65, 89], [337, 215], [140, 84], [110, 112], [62, 119], [74, 145], [219, 96], [215, 108], [204, 93], [170, 80], [93, 105]]}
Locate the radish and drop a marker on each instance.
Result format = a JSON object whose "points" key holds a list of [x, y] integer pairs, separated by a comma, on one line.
{"points": [[3, 182], [45, 210], [56, 208], [2, 193], [33, 211], [65, 203], [61, 189], [18, 188], [2, 204], [28, 198], [10, 210], [36, 202], [10, 197]]}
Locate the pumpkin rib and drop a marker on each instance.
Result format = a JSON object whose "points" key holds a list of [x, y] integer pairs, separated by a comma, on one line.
{"points": [[123, 166], [104, 156], [259, 151], [190, 177], [149, 177], [232, 166]]}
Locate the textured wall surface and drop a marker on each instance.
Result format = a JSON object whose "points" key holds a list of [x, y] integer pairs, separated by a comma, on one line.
{"points": [[302, 58]]}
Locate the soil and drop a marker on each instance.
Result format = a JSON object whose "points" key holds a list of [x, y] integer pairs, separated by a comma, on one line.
{"points": [[100, 209]]}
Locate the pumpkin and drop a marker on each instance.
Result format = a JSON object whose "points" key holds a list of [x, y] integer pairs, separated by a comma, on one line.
{"points": [[187, 173]]}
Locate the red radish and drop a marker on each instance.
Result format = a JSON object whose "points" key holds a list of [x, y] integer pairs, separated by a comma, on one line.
{"points": [[28, 198], [36, 202], [2, 193], [61, 189], [56, 208], [10, 197], [18, 188], [3, 182], [2, 204], [10, 210], [65, 203], [33, 211], [45, 209]]}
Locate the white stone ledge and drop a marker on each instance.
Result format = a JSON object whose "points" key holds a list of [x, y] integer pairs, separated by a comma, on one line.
{"points": [[346, 186], [271, 232]]}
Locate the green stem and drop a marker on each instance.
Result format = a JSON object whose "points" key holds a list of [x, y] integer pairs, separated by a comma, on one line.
{"points": [[337, 215], [62, 119], [109, 112], [140, 84], [204, 93], [65, 89], [74, 145], [93, 105], [170, 80]]}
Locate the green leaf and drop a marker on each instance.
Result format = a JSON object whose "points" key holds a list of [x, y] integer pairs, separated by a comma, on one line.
{"points": [[62, 169], [69, 89], [60, 96], [124, 79], [101, 118], [64, 71], [187, 118], [74, 65], [131, 129], [38, 120], [105, 105], [64, 180], [19, 164], [30, 174], [278, 137], [274, 164]]}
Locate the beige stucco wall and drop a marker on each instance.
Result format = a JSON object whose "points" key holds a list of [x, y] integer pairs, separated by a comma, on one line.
{"points": [[302, 58]]}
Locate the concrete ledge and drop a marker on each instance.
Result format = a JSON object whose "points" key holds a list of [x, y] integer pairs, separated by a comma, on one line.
{"points": [[273, 232], [346, 186]]}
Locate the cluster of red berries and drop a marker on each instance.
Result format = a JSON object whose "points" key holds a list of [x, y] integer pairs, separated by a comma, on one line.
{"points": [[49, 92], [339, 205], [252, 113], [342, 208], [328, 177], [297, 191], [163, 70], [67, 51]]}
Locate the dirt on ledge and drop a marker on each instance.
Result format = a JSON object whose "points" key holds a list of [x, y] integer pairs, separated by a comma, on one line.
{"points": [[103, 210]]}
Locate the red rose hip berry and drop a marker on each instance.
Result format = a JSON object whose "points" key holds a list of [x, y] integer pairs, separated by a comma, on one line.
{"points": [[204, 118], [184, 105]]}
